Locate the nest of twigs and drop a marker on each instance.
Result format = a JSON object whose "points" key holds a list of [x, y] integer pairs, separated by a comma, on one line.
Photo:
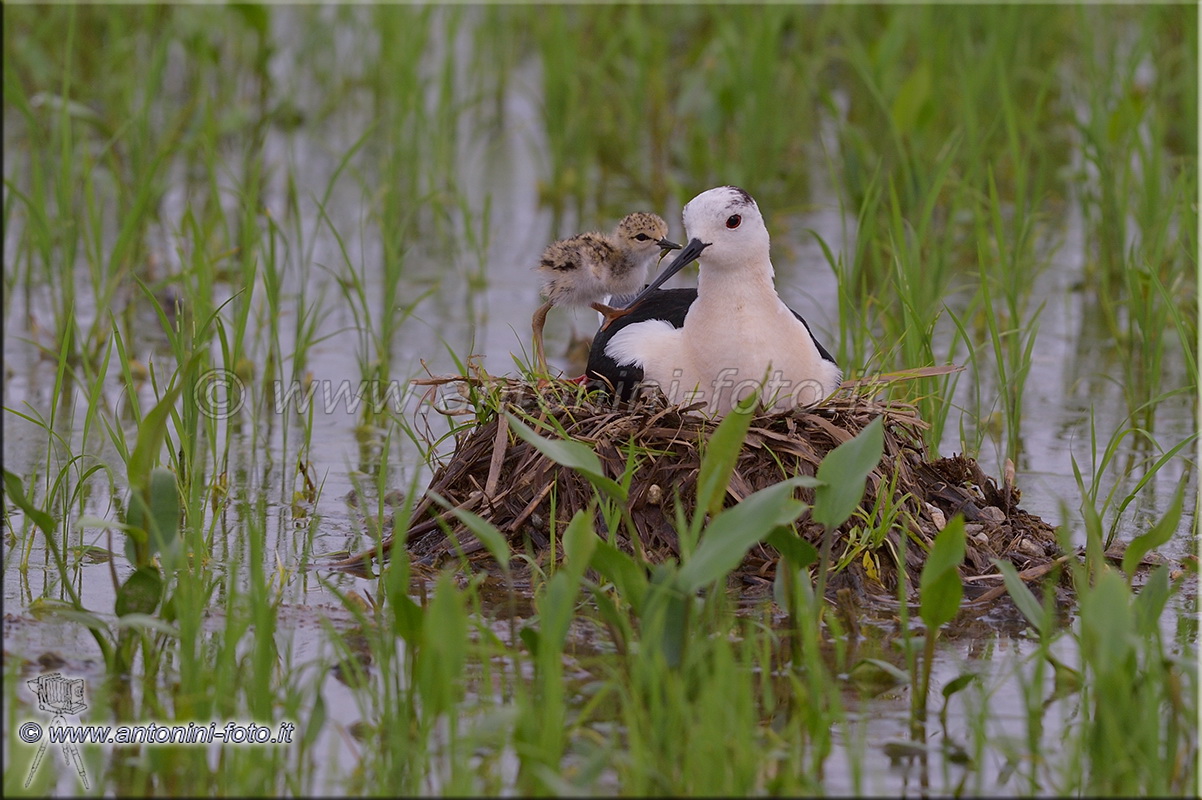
{"points": [[506, 480]]}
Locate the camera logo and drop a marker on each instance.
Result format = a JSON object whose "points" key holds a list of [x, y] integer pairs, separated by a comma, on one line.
{"points": [[61, 697]]}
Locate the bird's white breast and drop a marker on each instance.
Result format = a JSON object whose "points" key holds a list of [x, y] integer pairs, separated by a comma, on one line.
{"points": [[736, 340], [746, 343]]}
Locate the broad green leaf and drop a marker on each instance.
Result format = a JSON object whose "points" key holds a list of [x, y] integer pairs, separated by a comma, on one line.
{"points": [[1107, 622], [529, 635], [721, 455], [16, 492], [557, 605], [85, 618], [137, 538], [1066, 680], [958, 683], [409, 618], [146, 622], [141, 592], [666, 616], [1021, 595], [732, 533], [627, 575], [255, 15], [843, 473], [314, 723], [873, 676], [1151, 600], [89, 522], [579, 543], [93, 554], [570, 454], [556, 608], [782, 584], [619, 621], [796, 551], [1160, 533], [164, 516], [443, 651], [911, 98], [940, 588], [151, 433], [407, 615]]}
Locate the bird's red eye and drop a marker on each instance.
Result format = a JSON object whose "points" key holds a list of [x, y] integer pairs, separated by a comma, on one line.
{"points": [[733, 221]]}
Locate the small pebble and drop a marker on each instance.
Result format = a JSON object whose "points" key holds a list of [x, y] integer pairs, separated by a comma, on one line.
{"points": [[1030, 548], [991, 514]]}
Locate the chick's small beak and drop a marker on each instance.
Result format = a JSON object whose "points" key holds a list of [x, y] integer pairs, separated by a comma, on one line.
{"points": [[666, 247], [688, 255]]}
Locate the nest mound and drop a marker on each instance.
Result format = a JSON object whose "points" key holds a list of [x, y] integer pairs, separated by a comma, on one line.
{"points": [[509, 482]]}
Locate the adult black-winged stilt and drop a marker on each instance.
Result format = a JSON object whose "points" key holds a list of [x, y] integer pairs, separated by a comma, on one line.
{"points": [[731, 337], [597, 269]]}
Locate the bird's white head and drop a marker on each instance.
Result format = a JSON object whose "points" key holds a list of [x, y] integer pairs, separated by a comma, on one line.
{"points": [[729, 221], [725, 224]]}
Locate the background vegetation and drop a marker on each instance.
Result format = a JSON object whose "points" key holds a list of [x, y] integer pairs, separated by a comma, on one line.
{"points": [[290, 195]]}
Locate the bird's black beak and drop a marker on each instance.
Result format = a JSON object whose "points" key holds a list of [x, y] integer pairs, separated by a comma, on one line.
{"points": [[688, 254]]}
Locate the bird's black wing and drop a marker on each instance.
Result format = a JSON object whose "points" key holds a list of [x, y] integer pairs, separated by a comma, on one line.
{"points": [[670, 305], [821, 350]]}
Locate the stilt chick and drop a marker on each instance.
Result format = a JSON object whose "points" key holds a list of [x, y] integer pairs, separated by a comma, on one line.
{"points": [[599, 270]]}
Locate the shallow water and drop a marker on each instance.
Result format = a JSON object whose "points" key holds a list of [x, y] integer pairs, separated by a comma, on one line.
{"points": [[1068, 382]]}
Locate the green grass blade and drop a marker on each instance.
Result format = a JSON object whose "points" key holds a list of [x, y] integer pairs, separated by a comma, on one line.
{"points": [[489, 535], [721, 454], [627, 575], [153, 430], [1021, 595], [1160, 533], [572, 455]]}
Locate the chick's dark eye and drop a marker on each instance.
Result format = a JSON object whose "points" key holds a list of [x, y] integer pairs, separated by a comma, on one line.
{"points": [[642, 237], [733, 221]]}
